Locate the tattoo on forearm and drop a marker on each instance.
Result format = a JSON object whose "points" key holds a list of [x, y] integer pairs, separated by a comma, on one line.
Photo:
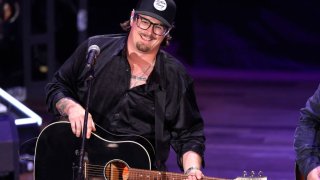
{"points": [[61, 106]]}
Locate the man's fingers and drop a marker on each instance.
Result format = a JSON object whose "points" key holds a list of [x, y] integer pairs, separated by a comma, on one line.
{"points": [[79, 126], [73, 127], [76, 128], [192, 177], [195, 175], [199, 176], [89, 129], [93, 126]]}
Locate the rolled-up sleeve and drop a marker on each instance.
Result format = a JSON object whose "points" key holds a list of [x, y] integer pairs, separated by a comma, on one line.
{"points": [[307, 135], [187, 133], [65, 80]]}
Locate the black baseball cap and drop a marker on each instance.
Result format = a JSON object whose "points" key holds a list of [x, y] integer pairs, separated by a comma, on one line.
{"points": [[163, 10]]}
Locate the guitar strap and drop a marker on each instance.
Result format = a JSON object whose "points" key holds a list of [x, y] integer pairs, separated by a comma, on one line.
{"points": [[160, 102]]}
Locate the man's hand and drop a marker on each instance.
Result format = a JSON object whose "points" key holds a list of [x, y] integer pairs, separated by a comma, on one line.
{"points": [[314, 174], [191, 164], [75, 113], [194, 174]]}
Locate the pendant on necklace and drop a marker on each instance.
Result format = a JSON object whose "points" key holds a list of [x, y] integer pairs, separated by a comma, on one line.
{"points": [[138, 78]]}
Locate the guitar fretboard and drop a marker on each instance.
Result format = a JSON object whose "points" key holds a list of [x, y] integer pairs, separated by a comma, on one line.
{"points": [[138, 174]]}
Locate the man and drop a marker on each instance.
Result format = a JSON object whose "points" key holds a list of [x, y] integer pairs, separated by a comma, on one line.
{"points": [[132, 76], [307, 139]]}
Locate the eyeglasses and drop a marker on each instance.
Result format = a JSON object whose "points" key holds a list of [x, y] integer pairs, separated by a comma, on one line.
{"points": [[145, 23]]}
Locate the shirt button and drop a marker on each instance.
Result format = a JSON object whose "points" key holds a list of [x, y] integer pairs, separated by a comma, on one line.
{"points": [[116, 116]]}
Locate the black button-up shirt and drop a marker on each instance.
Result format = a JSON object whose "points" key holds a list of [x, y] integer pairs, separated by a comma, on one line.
{"points": [[120, 109], [307, 135]]}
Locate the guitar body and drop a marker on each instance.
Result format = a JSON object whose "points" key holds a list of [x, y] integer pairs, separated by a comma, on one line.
{"points": [[57, 153]]}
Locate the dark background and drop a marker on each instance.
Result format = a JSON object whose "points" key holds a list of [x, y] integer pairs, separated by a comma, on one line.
{"points": [[233, 35], [255, 63]]}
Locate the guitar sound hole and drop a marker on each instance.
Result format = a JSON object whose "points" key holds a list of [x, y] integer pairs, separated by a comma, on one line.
{"points": [[116, 170]]}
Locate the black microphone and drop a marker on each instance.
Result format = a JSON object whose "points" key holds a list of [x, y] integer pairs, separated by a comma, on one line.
{"points": [[92, 55]]}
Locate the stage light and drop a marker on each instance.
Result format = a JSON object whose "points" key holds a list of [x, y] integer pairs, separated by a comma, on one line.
{"points": [[23, 115]]}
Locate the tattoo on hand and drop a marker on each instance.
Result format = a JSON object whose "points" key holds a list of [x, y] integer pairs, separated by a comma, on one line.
{"points": [[61, 106]]}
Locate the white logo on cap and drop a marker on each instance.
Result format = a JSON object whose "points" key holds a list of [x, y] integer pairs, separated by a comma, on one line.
{"points": [[160, 5]]}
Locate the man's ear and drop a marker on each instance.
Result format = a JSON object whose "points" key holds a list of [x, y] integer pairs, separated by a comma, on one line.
{"points": [[131, 16]]}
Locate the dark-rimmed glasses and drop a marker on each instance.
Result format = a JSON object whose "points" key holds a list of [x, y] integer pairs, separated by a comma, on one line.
{"points": [[145, 23]]}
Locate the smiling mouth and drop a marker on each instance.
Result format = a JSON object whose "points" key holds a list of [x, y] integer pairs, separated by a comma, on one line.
{"points": [[146, 37]]}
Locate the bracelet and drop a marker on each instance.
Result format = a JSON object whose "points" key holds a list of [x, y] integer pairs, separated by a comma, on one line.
{"points": [[190, 169]]}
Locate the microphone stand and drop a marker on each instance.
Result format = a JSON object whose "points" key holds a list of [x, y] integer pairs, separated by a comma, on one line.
{"points": [[84, 130]]}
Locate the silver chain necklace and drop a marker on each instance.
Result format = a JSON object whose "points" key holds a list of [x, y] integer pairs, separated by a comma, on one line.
{"points": [[142, 77]]}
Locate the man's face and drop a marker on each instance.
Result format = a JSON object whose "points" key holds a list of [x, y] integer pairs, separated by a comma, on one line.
{"points": [[145, 31]]}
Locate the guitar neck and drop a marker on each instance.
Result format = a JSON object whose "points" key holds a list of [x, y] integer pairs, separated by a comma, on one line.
{"points": [[136, 174]]}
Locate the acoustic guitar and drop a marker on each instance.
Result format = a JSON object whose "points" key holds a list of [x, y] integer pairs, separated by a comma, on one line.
{"points": [[107, 156]]}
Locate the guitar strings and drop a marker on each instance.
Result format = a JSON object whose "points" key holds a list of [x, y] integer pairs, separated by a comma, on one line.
{"points": [[136, 174], [98, 171]]}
